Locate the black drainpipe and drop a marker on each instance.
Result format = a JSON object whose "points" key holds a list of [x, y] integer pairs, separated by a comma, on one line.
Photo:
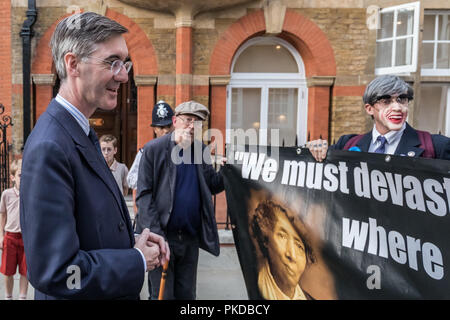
{"points": [[26, 34]]}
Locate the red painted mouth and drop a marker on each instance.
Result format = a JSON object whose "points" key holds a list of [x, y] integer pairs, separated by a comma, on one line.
{"points": [[396, 119]]}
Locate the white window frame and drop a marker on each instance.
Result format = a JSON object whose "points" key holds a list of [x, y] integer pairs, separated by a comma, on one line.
{"points": [[446, 100], [265, 81], [403, 69], [447, 120], [435, 71]]}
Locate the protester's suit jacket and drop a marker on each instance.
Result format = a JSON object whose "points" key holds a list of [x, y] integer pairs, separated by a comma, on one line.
{"points": [[408, 142], [73, 217], [156, 191]]}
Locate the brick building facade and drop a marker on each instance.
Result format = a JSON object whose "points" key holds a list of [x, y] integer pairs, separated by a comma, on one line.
{"points": [[189, 52]]}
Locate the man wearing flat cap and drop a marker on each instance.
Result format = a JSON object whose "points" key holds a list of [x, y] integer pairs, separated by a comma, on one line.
{"points": [[174, 193]]}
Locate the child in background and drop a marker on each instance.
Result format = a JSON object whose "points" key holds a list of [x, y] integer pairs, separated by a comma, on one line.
{"points": [[11, 242], [108, 145]]}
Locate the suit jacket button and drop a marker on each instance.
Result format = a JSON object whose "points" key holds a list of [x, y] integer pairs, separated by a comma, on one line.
{"points": [[121, 226]]}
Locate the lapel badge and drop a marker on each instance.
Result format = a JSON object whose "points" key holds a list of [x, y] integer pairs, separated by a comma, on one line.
{"points": [[411, 154]]}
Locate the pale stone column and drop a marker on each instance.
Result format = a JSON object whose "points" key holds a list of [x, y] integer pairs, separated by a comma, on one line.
{"points": [[146, 96], [44, 91], [184, 54]]}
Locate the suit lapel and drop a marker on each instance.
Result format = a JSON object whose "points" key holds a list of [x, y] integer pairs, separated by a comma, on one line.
{"points": [[91, 156], [88, 151], [364, 143], [409, 143], [170, 164]]}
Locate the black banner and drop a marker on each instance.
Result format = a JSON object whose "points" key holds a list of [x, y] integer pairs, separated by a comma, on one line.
{"points": [[357, 226]]}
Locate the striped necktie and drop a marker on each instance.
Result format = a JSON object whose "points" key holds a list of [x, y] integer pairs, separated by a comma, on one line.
{"points": [[381, 148]]}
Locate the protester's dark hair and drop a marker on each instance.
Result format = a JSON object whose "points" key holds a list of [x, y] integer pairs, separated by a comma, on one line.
{"points": [[263, 222], [386, 85]]}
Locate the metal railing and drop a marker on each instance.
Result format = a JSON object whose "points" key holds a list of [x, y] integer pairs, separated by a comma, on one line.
{"points": [[5, 122]]}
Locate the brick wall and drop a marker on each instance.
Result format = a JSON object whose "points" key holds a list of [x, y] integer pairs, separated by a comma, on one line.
{"points": [[344, 28], [5, 59], [348, 116]]}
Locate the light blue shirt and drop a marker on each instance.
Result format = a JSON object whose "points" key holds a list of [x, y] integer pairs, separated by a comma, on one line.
{"points": [[81, 119], [84, 124], [392, 137]]}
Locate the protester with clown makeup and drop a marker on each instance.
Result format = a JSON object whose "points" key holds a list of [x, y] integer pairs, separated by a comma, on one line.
{"points": [[386, 100]]}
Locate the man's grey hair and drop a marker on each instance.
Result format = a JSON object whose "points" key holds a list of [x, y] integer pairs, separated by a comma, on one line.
{"points": [[386, 85], [79, 34]]}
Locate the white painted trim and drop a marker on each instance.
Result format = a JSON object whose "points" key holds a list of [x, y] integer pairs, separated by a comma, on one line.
{"points": [[263, 119], [402, 6], [415, 6], [270, 40], [447, 122], [436, 71], [265, 81]]}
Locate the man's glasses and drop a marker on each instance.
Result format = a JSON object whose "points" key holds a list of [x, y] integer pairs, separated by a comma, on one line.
{"points": [[386, 100], [116, 65], [188, 121]]}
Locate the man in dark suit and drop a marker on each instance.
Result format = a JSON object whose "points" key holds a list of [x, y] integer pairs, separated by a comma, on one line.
{"points": [[386, 100], [77, 234], [174, 189]]}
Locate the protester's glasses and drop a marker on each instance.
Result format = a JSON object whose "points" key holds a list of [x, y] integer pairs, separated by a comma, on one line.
{"points": [[116, 65], [386, 100], [188, 121]]}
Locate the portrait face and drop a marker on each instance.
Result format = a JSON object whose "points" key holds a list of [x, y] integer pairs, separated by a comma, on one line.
{"points": [[287, 257], [98, 86], [389, 113], [108, 151]]}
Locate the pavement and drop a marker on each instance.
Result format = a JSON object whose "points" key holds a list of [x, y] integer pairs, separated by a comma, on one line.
{"points": [[218, 278]]}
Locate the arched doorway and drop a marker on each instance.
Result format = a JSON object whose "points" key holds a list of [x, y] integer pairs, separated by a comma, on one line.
{"points": [[307, 39], [267, 90], [120, 122]]}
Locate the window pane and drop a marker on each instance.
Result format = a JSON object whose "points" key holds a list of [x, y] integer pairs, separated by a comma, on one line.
{"points": [[386, 25], [383, 54], [236, 106], [428, 55], [246, 109], [428, 27], [444, 27], [403, 53], [266, 58], [443, 52], [405, 22], [433, 107], [282, 115]]}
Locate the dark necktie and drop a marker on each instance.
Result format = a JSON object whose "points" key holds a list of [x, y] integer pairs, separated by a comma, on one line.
{"points": [[381, 148], [93, 137]]}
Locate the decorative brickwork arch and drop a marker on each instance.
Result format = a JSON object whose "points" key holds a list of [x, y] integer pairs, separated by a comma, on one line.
{"points": [[310, 41], [315, 50], [141, 53]]}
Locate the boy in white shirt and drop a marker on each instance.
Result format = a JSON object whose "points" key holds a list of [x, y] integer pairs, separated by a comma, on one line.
{"points": [[11, 242], [108, 145]]}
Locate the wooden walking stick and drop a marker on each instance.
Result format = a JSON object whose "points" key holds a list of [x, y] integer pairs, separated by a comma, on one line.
{"points": [[163, 281]]}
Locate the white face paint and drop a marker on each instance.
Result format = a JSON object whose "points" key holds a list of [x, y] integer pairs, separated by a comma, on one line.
{"points": [[389, 114]]}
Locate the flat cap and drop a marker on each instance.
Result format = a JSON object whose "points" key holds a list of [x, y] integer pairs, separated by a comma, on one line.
{"points": [[192, 107]]}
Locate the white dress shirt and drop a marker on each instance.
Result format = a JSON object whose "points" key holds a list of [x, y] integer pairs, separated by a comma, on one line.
{"points": [[392, 137]]}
